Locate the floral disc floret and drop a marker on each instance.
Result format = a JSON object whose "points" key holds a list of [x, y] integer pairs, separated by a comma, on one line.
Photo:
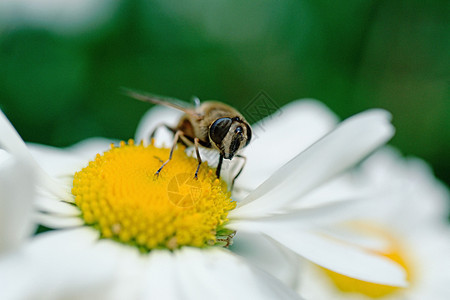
{"points": [[119, 194]]}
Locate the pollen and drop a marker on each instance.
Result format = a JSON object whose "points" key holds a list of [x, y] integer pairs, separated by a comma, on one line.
{"points": [[394, 251], [119, 194]]}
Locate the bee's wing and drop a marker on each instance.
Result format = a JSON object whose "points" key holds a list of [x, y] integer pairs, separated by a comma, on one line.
{"points": [[166, 101]]}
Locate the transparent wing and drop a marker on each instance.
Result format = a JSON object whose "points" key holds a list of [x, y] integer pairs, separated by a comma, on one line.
{"points": [[166, 101]]}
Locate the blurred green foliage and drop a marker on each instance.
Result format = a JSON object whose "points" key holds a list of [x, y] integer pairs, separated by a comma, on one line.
{"points": [[61, 87]]}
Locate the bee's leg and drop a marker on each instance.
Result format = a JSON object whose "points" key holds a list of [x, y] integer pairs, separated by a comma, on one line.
{"points": [[198, 156], [152, 135], [240, 170], [219, 165], [174, 144], [227, 240]]}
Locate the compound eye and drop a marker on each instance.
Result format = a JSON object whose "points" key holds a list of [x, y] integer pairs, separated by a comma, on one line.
{"points": [[219, 129], [249, 134]]}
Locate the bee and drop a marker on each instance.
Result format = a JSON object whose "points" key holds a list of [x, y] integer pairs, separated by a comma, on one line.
{"points": [[211, 124]]}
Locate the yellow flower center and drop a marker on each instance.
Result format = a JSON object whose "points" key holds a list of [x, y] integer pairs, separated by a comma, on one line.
{"points": [[394, 252], [119, 194]]}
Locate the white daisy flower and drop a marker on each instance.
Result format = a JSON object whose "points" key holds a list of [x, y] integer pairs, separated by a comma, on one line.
{"points": [[66, 17], [156, 229], [406, 221]]}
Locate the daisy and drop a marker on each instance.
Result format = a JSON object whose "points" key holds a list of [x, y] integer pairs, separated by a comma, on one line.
{"points": [[70, 17], [406, 220], [166, 234]]}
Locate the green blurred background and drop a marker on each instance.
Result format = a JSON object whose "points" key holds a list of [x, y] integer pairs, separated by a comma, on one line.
{"points": [[62, 63]]}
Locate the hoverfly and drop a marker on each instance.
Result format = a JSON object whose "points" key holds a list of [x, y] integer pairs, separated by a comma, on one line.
{"points": [[211, 124]]}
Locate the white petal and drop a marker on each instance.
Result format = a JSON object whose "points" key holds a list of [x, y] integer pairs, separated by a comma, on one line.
{"points": [[209, 273], [30, 273], [346, 186], [64, 264], [16, 196], [55, 161], [12, 143], [161, 279], [345, 146], [60, 162], [53, 221], [412, 185], [299, 219], [279, 137], [15, 276], [342, 258], [426, 253], [89, 148], [52, 205], [155, 117], [76, 239], [267, 255], [129, 270], [350, 235]]}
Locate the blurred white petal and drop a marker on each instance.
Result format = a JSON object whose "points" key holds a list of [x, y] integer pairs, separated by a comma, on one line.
{"points": [[342, 258], [299, 219], [55, 221], [76, 239], [67, 17], [411, 181], [267, 255], [63, 163], [306, 233], [11, 141], [406, 216], [280, 137], [16, 196], [129, 268], [203, 273], [55, 207], [56, 162], [345, 146], [154, 117], [57, 265], [161, 279], [87, 149]]}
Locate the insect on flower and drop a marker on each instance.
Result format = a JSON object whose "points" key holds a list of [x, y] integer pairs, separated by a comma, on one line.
{"points": [[211, 124]]}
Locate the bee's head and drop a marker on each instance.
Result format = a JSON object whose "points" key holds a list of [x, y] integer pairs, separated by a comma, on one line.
{"points": [[229, 135]]}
